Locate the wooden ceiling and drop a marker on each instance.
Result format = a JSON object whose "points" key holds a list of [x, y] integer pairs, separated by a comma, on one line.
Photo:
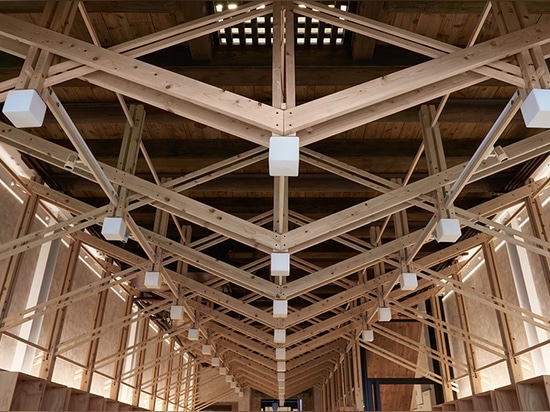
{"points": [[206, 84]]}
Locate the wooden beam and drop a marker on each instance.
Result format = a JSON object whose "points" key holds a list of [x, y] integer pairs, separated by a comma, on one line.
{"points": [[391, 202], [465, 324], [56, 329], [506, 331], [185, 206], [122, 343], [93, 345], [150, 76]]}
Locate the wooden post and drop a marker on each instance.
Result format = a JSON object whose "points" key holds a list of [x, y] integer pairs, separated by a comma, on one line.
{"points": [[122, 342], [435, 156], [441, 347], [91, 352], [170, 373], [471, 361], [505, 328], [144, 329], [283, 96], [12, 264], [540, 230], [357, 379], [54, 337], [156, 371], [512, 16]]}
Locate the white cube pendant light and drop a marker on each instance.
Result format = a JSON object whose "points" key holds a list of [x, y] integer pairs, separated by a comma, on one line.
{"points": [[206, 349], [284, 155], [280, 353], [281, 366], [222, 370], [176, 312], [384, 314], [152, 280], [279, 335], [114, 228], [536, 108], [447, 230], [215, 361], [193, 334], [280, 308], [408, 281], [367, 335], [280, 264], [24, 108]]}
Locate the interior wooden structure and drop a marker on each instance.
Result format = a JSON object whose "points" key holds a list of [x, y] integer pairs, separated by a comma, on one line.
{"points": [[161, 113]]}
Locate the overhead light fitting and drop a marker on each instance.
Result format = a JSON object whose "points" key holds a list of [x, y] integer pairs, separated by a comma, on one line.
{"points": [[152, 280], [284, 155], [280, 264], [176, 312], [368, 335], [384, 314], [215, 361], [279, 335], [280, 354], [536, 108], [280, 308], [24, 108], [206, 349], [408, 281], [114, 228], [193, 334], [447, 230]]}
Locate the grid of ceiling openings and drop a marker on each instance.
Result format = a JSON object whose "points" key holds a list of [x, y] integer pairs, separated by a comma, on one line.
{"points": [[309, 32]]}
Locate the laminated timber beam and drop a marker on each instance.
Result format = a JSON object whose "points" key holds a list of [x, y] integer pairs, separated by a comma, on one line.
{"points": [[481, 224], [392, 6], [134, 317], [161, 196], [337, 333], [421, 75], [376, 208], [236, 325], [225, 345], [494, 301], [177, 86], [336, 347], [471, 356], [127, 351], [417, 347], [449, 329], [454, 249], [498, 203]]}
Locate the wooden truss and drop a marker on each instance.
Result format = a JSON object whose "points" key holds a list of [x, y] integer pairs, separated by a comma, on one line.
{"points": [[322, 333]]}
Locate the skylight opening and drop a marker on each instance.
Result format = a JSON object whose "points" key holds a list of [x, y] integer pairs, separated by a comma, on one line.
{"points": [[258, 31]]}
